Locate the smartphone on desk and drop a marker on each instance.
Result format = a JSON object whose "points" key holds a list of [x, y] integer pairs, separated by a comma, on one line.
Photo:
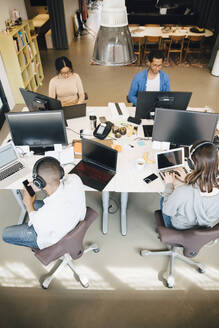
{"points": [[150, 178], [28, 187]]}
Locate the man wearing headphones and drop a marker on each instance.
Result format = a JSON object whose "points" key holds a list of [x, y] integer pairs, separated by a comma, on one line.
{"points": [[196, 203], [60, 212]]}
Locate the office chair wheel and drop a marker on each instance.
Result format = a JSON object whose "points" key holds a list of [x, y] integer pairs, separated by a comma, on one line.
{"points": [[84, 282], [96, 250], [170, 282], [201, 270], [144, 252], [44, 287]]}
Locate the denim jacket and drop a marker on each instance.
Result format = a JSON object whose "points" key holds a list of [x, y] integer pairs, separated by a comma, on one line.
{"points": [[139, 83]]}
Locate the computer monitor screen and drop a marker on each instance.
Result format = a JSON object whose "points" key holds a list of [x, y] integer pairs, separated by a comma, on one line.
{"points": [[99, 154], [36, 101], [39, 130], [183, 127], [147, 101]]}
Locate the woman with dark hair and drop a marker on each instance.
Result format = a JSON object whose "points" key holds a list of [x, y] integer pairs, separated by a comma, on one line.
{"points": [[66, 86], [196, 203]]}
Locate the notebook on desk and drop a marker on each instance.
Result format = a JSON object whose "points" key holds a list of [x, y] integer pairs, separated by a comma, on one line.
{"points": [[167, 161], [11, 168], [98, 164]]}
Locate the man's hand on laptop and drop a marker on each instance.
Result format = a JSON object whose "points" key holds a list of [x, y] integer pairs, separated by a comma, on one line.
{"points": [[28, 201]]}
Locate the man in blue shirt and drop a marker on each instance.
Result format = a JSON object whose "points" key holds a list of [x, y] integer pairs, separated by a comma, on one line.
{"points": [[151, 79]]}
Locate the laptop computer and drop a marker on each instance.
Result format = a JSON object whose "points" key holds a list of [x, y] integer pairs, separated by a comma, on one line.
{"points": [[74, 111], [167, 161], [11, 168], [98, 164]]}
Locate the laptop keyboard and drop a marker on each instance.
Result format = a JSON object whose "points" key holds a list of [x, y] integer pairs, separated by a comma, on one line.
{"points": [[172, 171], [92, 176], [94, 173], [11, 170]]}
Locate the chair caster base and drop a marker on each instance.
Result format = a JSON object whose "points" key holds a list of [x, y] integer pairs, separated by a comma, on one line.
{"points": [[170, 282], [44, 287], [145, 252], [201, 270], [84, 282]]}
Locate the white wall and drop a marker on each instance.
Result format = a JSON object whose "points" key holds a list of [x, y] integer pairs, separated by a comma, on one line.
{"points": [[6, 85], [70, 7], [7, 6]]}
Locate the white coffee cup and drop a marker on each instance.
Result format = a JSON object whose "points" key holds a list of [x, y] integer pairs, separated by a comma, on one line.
{"points": [[140, 163]]}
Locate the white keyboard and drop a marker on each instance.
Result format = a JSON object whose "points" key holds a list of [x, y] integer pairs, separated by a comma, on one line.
{"points": [[118, 111]]}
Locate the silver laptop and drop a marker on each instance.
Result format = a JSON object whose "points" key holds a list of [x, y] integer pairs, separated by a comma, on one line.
{"points": [[170, 159], [11, 168]]}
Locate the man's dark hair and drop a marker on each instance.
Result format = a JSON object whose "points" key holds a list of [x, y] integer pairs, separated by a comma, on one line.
{"points": [[155, 54], [61, 62]]}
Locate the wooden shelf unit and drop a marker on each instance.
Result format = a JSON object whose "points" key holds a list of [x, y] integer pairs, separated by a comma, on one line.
{"points": [[21, 58]]}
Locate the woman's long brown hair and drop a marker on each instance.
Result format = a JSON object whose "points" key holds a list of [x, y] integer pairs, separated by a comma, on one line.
{"points": [[205, 172]]}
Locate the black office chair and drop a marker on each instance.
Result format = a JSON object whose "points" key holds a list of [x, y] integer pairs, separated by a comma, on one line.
{"points": [[192, 240]]}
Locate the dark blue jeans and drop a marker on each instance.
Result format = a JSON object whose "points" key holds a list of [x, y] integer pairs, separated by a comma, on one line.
{"points": [[22, 234], [166, 218]]}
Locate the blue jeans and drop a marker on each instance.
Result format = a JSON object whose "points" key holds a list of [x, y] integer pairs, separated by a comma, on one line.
{"points": [[22, 234], [166, 218]]}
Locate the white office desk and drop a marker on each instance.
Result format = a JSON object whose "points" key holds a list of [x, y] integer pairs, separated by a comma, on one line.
{"points": [[127, 179]]}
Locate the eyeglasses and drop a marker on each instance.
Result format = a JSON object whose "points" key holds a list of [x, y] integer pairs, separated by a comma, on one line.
{"points": [[66, 74]]}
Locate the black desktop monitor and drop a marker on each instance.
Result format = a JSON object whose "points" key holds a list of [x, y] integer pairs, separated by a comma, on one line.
{"points": [[183, 127], [36, 101], [39, 130], [147, 101]]}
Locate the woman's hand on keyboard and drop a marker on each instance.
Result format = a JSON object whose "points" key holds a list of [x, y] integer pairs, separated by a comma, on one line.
{"points": [[181, 174], [169, 177]]}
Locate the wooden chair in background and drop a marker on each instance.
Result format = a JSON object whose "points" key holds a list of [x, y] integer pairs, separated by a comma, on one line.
{"points": [[194, 45], [176, 44], [137, 44], [150, 43]]}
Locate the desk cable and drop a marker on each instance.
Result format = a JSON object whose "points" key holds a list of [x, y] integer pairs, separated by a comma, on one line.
{"points": [[72, 130], [113, 206]]}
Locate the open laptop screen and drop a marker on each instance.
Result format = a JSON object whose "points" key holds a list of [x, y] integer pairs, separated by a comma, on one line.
{"points": [[170, 159], [99, 154], [7, 155]]}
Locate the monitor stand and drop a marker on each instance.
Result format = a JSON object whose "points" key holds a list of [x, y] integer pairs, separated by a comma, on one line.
{"points": [[41, 150]]}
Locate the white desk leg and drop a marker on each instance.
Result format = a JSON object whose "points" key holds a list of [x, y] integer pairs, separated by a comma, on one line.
{"points": [[18, 197], [105, 202], [124, 201]]}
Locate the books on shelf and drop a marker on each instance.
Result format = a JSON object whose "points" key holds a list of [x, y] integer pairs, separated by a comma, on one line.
{"points": [[36, 81], [25, 58], [26, 37], [21, 41], [30, 51], [15, 40], [34, 49]]}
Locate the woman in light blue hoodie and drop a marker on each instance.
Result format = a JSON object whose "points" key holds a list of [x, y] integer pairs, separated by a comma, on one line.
{"points": [[196, 203]]}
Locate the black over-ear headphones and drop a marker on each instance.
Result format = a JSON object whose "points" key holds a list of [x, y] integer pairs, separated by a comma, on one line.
{"points": [[190, 160], [38, 181]]}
